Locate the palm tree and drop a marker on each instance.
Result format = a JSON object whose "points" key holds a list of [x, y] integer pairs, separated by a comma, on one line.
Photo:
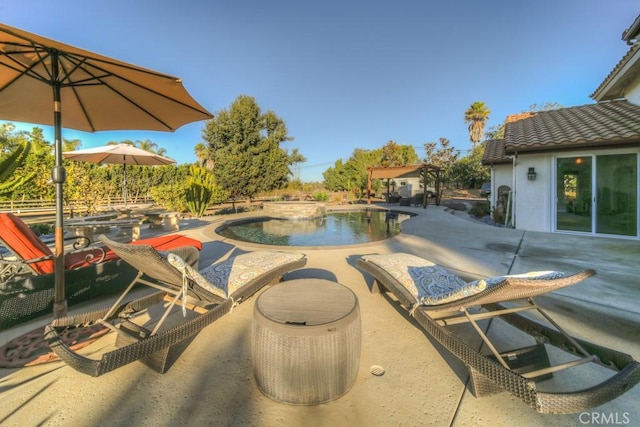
{"points": [[71, 144], [203, 155], [125, 141], [147, 145], [476, 115]]}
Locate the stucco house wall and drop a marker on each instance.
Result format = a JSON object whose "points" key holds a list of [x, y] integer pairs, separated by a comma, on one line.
{"points": [[633, 94], [501, 175], [533, 198]]}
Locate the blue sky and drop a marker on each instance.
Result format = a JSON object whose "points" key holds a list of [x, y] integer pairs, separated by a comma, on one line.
{"points": [[347, 74]]}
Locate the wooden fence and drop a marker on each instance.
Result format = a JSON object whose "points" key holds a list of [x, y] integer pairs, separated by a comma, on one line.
{"points": [[33, 211], [43, 207]]}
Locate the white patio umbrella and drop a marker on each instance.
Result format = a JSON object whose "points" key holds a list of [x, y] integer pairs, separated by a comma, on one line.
{"points": [[40, 78], [121, 154]]}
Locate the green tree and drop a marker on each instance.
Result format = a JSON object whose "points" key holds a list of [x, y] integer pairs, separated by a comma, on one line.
{"points": [[476, 115], [394, 154], [26, 163], [203, 154], [246, 149], [147, 145], [125, 141], [334, 177], [9, 163], [352, 175], [495, 132], [443, 157], [549, 105], [71, 145], [355, 177], [10, 139], [469, 170], [41, 162]]}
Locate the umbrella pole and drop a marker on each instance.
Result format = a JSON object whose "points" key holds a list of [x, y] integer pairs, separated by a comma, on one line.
{"points": [[58, 175], [124, 181]]}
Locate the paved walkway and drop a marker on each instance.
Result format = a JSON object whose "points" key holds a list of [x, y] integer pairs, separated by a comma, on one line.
{"points": [[212, 382]]}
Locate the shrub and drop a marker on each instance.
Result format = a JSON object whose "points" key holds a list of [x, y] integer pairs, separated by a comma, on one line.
{"points": [[171, 196], [337, 199], [480, 209], [320, 196], [202, 190], [41, 229]]}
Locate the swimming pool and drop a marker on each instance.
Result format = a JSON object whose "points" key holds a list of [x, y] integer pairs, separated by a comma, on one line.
{"points": [[337, 228]]}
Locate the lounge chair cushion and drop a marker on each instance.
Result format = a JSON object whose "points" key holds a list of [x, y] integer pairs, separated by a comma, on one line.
{"points": [[25, 243], [431, 284], [226, 277]]}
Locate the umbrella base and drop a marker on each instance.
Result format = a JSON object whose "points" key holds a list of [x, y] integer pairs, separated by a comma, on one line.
{"points": [[59, 309]]}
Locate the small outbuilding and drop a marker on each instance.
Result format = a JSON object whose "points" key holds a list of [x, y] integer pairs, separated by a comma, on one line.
{"points": [[415, 178]]}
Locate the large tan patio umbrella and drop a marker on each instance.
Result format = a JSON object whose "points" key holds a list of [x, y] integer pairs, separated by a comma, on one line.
{"points": [[41, 78], [121, 154]]}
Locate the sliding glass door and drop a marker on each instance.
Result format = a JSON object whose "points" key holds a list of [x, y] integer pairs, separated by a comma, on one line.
{"points": [[574, 194], [617, 194], [597, 194]]}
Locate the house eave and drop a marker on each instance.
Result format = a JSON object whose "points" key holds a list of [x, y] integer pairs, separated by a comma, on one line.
{"points": [[630, 35], [580, 146], [616, 83]]}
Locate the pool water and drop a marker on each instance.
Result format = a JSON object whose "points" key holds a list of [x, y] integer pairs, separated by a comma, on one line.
{"points": [[335, 229]]}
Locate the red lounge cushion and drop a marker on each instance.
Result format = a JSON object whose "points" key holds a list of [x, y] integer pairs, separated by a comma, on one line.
{"points": [[21, 240], [164, 243]]}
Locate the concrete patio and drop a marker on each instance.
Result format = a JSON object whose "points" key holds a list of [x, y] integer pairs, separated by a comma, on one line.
{"points": [[212, 382]]}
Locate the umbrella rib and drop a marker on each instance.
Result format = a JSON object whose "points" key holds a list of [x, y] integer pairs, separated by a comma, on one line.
{"points": [[33, 44], [85, 113], [23, 69], [73, 58], [76, 65]]}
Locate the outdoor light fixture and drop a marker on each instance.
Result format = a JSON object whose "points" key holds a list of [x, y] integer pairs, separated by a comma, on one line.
{"points": [[531, 175]]}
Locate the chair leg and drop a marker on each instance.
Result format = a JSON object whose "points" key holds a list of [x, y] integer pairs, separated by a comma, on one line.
{"points": [[377, 287], [161, 360], [481, 385], [132, 333]]}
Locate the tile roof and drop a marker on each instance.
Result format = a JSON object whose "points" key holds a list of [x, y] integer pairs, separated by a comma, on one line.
{"points": [[605, 124], [494, 153]]}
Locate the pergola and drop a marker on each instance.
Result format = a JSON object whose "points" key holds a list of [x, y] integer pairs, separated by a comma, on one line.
{"points": [[411, 171]]}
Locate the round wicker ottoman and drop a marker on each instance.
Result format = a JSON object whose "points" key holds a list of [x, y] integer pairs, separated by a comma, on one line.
{"points": [[306, 338]]}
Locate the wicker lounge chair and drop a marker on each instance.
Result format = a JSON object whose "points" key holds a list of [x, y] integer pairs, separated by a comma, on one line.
{"points": [[208, 294], [438, 299], [26, 278]]}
